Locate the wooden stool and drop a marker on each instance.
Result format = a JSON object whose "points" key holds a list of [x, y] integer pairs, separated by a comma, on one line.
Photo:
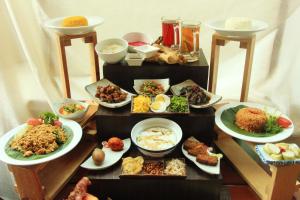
{"points": [[281, 184], [247, 43], [65, 40]]}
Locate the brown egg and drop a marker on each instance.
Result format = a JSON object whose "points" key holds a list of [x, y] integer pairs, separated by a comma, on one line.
{"points": [[98, 156]]}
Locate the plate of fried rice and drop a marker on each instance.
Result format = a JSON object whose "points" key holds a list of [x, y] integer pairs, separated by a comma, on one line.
{"points": [[254, 122], [39, 141]]}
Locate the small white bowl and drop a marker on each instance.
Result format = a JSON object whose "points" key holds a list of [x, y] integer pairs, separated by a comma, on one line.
{"points": [[76, 115], [147, 50], [55, 24], [137, 83], [134, 59], [136, 37], [156, 122], [114, 57]]}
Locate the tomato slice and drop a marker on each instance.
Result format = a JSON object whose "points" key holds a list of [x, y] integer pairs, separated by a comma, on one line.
{"points": [[57, 123], [34, 122], [283, 122]]}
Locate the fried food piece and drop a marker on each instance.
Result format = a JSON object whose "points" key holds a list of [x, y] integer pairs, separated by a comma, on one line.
{"points": [[207, 159], [199, 149], [190, 143]]}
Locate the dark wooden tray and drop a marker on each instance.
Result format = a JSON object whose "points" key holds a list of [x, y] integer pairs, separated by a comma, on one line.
{"points": [[150, 112], [143, 174]]}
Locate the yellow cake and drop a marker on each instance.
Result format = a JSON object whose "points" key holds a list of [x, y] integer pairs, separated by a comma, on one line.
{"points": [[75, 21]]}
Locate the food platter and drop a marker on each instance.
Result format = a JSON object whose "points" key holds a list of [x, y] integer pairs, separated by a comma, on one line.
{"points": [[111, 157], [265, 158], [55, 24], [92, 90], [156, 169], [227, 125], [175, 89], [74, 130], [219, 27]]}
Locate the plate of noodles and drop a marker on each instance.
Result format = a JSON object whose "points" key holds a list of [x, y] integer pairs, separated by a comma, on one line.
{"points": [[254, 122], [39, 140]]}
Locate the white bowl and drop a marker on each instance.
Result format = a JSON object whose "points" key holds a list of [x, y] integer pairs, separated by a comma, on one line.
{"points": [[55, 24], [139, 82], [76, 115], [136, 37], [115, 57], [134, 59], [156, 122]]}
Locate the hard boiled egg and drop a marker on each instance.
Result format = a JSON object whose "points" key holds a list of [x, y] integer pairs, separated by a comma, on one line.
{"points": [[163, 98], [158, 106]]}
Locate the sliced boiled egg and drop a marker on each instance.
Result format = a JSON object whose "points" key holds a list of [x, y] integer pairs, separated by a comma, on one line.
{"points": [[163, 98], [158, 106]]}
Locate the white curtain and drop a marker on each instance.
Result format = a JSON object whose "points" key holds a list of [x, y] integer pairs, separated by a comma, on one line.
{"points": [[29, 71]]}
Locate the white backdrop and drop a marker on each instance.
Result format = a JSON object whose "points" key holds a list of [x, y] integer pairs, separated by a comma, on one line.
{"points": [[29, 79]]}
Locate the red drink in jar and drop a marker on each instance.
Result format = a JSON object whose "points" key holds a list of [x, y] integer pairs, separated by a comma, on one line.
{"points": [[170, 32]]}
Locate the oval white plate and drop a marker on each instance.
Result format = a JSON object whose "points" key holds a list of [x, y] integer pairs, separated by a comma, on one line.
{"points": [[205, 168], [175, 89], [55, 24], [287, 132], [111, 157], [139, 82], [219, 27], [74, 126], [92, 88]]}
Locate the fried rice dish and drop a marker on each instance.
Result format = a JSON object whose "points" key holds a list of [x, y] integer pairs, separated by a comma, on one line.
{"points": [[40, 139], [251, 119]]}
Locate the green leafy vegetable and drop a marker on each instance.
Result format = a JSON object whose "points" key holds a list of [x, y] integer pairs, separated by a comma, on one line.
{"points": [[179, 104], [49, 117], [272, 125]]}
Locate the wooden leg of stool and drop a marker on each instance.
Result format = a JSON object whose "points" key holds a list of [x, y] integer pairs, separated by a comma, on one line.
{"points": [[283, 181], [63, 66], [28, 183], [247, 69], [214, 63], [92, 40]]}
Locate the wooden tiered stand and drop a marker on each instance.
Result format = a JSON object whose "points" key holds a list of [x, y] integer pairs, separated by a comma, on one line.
{"points": [[281, 184], [44, 181]]}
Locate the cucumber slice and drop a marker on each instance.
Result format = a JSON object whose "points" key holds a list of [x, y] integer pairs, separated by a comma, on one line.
{"points": [[288, 155], [276, 156], [271, 149], [282, 145]]}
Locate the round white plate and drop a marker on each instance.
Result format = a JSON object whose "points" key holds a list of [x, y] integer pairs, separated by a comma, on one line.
{"points": [[111, 157], [287, 132], [74, 126], [219, 27], [206, 168], [55, 24]]}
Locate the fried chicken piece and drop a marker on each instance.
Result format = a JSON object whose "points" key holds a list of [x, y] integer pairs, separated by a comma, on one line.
{"points": [[207, 159], [199, 149], [190, 143]]}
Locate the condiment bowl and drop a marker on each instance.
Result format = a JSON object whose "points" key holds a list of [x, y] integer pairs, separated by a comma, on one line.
{"points": [[76, 115], [112, 57], [151, 123]]}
